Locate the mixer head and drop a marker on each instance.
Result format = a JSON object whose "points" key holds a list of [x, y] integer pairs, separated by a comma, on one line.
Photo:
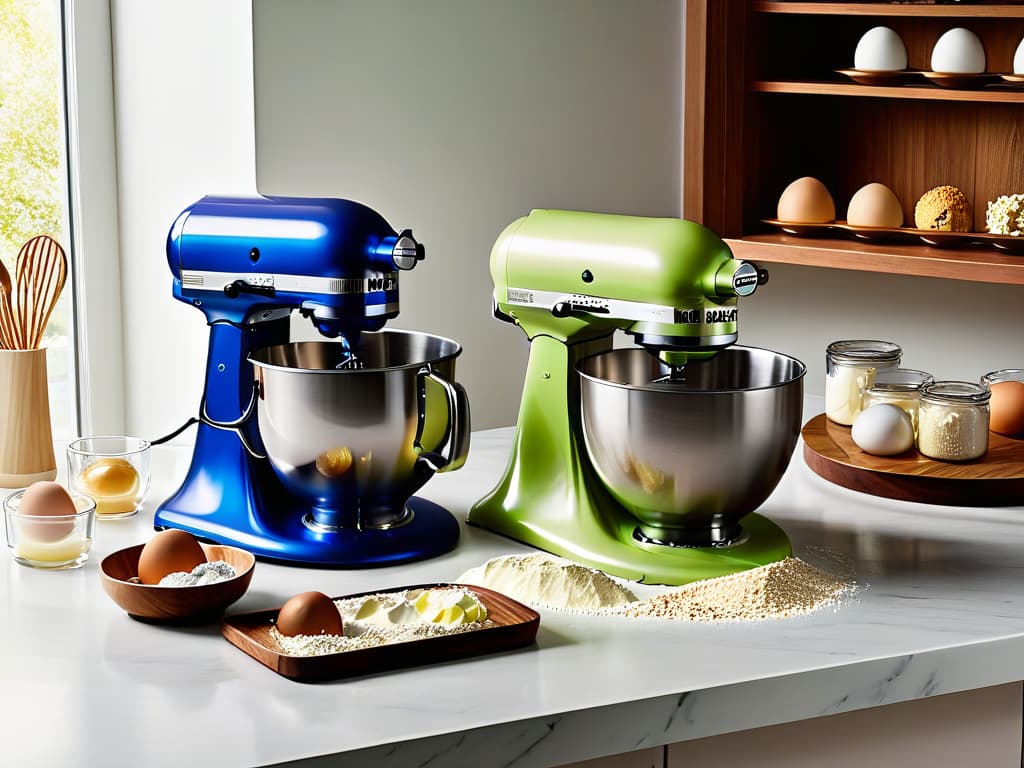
{"points": [[670, 283], [249, 259]]}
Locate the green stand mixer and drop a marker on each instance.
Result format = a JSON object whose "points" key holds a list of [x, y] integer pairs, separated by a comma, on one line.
{"points": [[645, 462]]}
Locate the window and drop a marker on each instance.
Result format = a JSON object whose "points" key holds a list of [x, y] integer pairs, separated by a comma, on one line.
{"points": [[34, 173]]}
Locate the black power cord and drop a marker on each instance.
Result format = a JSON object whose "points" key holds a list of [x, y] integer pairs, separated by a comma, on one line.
{"points": [[175, 433]]}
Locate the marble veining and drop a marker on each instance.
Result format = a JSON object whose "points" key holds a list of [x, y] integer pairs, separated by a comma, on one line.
{"points": [[941, 612]]}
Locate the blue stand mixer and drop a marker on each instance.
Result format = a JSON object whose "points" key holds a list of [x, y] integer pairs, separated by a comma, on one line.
{"points": [[309, 452]]}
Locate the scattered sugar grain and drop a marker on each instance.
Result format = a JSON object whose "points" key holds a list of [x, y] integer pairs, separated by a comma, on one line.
{"points": [[790, 587], [839, 564]]}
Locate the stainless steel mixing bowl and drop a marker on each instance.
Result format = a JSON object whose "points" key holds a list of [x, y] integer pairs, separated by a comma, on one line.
{"points": [[690, 458], [344, 438]]}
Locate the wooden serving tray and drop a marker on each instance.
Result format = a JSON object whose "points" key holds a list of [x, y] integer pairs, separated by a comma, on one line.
{"points": [[996, 479], [511, 625]]}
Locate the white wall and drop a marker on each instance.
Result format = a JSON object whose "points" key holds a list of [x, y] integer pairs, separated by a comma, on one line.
{"points": [[184, 120], [453, 123], [455, 117], [953, 329]]}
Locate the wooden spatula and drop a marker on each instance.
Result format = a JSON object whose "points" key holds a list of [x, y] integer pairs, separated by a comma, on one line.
{"points": [[41, 271]]}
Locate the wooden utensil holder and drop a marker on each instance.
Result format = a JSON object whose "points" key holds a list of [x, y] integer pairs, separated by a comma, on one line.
{"points": [[26, 437]]}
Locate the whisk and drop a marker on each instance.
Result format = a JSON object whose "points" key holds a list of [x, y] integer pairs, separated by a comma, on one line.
{"points": [[41, 271]]}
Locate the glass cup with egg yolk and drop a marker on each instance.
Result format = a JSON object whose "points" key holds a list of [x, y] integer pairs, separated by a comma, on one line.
{"points": [[113, 470]]}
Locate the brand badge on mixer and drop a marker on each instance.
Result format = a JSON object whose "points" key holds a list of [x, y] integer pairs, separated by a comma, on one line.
{"points": [[706, 316], [722, 315], [379, 282]]}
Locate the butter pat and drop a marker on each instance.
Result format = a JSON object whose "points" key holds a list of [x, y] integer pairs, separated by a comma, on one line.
{"points": [[449, 606], [433, 606]]}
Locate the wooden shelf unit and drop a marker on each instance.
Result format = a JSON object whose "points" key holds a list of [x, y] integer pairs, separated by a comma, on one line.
{"points": [[987, 95], [989, 10], [981, 265], [763, 107]]}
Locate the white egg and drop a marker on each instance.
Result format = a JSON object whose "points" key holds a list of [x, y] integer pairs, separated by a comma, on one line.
{"points": [[880, 49], [958, 50], [1018, 59], [883, 430]]}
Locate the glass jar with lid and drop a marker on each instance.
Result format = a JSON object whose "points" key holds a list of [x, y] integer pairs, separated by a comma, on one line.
{"points": [[850, 368], [1006, 374], [897, 386], [953, 420]]}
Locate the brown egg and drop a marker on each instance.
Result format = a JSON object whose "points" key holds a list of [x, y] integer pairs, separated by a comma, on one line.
{"points": [[169, 551], [311, 613], [46, 499], [1007, 408], [874, 205], [807, 201]]}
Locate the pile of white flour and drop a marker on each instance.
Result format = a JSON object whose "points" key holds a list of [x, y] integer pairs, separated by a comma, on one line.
{"points": [[547, 581]]}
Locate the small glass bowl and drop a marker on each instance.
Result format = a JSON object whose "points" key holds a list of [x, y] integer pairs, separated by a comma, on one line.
{"points": [[113, 470], [900, 387], [1006, 374], [50, 542]]}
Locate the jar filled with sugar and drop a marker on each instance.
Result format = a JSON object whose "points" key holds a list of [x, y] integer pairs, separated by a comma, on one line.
{"points": [[897, 386], [953, 420], [850, 369]]}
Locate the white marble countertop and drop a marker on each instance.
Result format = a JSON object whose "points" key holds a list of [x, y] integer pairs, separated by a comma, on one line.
{"points": [[84, 684]]}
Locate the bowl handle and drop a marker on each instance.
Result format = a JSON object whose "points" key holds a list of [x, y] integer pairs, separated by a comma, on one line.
{"points": [[451, 451]]}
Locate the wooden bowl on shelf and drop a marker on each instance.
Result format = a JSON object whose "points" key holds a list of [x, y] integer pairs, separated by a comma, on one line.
{"points": [[175, 605], [881, 78], [961, 80]]}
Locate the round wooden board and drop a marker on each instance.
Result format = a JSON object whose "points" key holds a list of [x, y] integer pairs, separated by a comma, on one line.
{"points": [[996, 479]]}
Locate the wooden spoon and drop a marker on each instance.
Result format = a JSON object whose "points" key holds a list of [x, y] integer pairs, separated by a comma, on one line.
{"points": [[8, 328], [41, 271]]}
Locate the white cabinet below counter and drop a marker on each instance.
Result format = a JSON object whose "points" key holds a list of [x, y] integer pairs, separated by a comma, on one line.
{"points": [[976, 728]]}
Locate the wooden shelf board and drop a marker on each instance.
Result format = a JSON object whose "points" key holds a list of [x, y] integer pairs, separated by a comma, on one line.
{"points": [[886, 9], [976, 264], [935, 93]]}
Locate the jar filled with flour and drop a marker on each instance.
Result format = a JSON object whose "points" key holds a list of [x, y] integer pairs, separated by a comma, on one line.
{"points": [[850, 368], [897, 386], [953, 420]]}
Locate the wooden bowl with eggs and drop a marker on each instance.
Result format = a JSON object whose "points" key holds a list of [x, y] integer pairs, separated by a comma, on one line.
{"points": [[173, 604]]}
